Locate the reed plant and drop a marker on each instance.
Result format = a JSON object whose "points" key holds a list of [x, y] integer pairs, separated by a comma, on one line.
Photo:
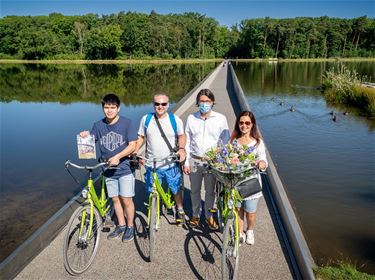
{"points": [[341, 271], [345, 86]]}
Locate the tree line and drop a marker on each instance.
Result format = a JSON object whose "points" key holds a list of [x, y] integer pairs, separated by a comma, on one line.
{"points": [[182, 36]]}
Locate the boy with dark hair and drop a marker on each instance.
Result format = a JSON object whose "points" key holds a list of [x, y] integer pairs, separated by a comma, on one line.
{"points": [[117, 137]]}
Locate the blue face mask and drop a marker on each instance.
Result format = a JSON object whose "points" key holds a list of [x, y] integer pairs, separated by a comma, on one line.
{"points": [[204, 107]]}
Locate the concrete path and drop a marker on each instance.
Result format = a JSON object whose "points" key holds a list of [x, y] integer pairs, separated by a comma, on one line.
{"points": [[181, 253]]}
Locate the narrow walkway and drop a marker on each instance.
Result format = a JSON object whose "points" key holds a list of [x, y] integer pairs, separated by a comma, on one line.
{"points": [[181, 254]]}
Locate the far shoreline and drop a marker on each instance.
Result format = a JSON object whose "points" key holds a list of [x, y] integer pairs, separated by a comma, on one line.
{"points": [[179, 61]]}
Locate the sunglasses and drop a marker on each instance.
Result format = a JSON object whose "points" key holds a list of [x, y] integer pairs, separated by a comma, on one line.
{"points": [[162, 104], [242, 123]]}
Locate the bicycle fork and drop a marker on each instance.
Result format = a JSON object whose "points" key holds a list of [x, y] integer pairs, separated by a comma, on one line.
{"points": [[150, 205]]}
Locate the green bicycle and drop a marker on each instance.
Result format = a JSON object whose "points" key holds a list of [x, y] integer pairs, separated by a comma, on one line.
{"points": [[157, 193], [227, 200], [83, 232]]}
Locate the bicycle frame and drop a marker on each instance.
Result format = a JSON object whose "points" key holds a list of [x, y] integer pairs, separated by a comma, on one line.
{"points": [[231, 198], [91, 197], [158, 191], [95, 201], [83, 232]]}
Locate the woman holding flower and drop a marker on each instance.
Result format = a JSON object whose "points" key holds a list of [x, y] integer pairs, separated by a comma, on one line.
{"points": [[246, 133]]}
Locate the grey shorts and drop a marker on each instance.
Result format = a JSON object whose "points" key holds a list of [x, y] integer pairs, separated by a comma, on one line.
{"points": [[123, 186]]}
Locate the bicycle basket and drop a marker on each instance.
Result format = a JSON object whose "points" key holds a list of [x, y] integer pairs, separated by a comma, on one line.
{"points": [[249, 187]]}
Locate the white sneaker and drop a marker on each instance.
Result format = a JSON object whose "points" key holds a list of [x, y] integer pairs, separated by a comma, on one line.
{"points": [[250, 237], [242, 237]]}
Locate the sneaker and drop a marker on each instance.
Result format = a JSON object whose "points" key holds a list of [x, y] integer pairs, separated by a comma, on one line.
{"points": [[180, 217], [242, 237], [128, 234], [212, 224], [116, 232], [194, 222], [250, 237]]}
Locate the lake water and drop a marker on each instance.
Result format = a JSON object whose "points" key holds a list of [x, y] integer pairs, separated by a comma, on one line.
{"points": [[327, 167]]}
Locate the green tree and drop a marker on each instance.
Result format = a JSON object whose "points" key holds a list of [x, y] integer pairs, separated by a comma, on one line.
{"points": [[104, 42]]}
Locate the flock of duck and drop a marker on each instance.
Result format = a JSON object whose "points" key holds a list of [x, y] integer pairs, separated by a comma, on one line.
{"points": [[332, 113]]}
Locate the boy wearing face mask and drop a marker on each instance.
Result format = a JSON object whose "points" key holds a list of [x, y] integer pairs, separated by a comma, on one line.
{"points": [[204, 129]]}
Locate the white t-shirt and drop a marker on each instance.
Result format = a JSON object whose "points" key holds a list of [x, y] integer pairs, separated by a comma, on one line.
{"points": [[156, 146]]}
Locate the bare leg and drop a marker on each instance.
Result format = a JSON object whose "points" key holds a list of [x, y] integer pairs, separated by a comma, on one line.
{"points": [[240, 218], [250, 219], [129, 209], [118, 210], [178, 199]]}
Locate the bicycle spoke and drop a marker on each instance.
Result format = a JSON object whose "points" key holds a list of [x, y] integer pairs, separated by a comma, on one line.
{"points": [[80, 250], [230, 256]]}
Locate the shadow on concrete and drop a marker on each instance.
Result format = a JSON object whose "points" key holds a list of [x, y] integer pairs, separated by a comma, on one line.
{"points": [[203, 254]]}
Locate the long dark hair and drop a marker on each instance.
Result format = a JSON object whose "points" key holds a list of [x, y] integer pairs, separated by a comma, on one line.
{"points": [[254, 129]]}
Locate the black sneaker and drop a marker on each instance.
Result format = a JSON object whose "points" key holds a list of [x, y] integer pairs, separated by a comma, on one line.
{"points": [[128, 234], [180, 217], [116, 232]]}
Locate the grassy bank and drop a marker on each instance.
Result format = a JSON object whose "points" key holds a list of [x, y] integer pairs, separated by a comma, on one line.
{"points": [[342, 271], [117, 61], [173, 61], [342, 86]]}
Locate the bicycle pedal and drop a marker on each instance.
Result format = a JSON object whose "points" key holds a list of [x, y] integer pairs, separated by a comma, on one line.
{"points": [[106, 229]]}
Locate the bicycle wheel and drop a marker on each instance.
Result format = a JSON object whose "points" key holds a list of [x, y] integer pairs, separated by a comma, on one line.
{"points": [[229, 254], [79, 248], [152, 227], [219, 204]]}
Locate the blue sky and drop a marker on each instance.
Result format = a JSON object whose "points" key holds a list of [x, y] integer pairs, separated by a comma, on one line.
{"points": [[225, 11]]}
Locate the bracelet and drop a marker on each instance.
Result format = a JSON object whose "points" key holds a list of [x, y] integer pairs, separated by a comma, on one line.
{"points": [[181, 148]]}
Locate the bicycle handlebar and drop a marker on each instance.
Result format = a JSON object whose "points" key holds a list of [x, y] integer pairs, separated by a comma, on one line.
{"points": [[87, 167], [172, 156]]}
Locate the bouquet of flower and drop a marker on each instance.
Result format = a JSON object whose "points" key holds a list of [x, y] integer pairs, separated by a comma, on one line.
{"points": [[234, 157]]}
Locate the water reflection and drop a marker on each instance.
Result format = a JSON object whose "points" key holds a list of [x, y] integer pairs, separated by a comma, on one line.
{"points": [[43, 107], [327, 167], [88, 83]]}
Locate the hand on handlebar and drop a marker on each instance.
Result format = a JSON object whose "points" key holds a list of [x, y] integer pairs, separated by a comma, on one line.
{"points": [[113, 161], [262, 165]]}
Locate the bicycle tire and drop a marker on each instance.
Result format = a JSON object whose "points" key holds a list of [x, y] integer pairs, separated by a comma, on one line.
{"points": [[229, 256], [152, 228], [219, 203], [78, 255]]}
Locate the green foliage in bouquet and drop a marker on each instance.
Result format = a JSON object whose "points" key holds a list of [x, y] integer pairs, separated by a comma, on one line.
{"points": [[235, 157]]}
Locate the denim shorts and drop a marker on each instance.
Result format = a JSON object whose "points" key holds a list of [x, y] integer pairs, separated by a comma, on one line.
{"points": [[171, 176], [250, 205], [123, 186]]}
